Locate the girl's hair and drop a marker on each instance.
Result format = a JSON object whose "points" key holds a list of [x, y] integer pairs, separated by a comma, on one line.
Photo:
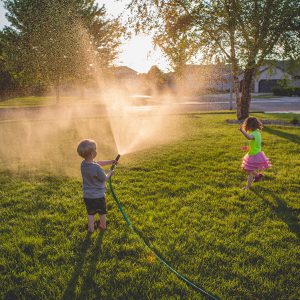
{"points": [[252, 123], [86, 147]]}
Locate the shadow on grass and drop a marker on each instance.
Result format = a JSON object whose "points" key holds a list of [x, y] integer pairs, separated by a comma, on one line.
{"points": [[165, 262], [285, 213], [88, 283], [79, 263], [291, 137]]}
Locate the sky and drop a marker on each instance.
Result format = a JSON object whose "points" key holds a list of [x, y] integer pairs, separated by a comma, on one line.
{"points": [[137, 53]]}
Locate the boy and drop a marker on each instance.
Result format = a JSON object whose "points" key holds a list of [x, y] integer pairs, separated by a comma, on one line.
{"points": [[93, 183]]}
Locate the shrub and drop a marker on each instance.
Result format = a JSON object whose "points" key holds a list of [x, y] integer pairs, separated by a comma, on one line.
{"points": [[297, 91], [39, 89], [286, 91], [278, 90], [294, 121]]}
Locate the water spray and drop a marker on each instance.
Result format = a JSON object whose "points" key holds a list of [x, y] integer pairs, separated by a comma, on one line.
{"points": [[115, 163]]}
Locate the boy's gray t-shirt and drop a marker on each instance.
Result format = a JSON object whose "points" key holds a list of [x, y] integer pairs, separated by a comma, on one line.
{"points": [[93, 180]]}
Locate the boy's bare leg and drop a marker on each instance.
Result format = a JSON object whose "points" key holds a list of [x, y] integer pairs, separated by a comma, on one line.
{"points": [[90, 223], [102, 221]]}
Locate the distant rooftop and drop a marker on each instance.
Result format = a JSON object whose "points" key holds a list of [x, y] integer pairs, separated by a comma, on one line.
{"points": [[124, 70]]}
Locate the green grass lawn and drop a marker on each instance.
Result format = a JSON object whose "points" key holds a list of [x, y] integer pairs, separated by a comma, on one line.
{"points": [[265, 96], [27, 102], [32, 101], [184, 197]]}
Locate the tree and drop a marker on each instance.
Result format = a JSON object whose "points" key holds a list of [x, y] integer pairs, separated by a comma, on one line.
{"points": [[9, 86], [175, 42], [6, 81], [59, 40], [156, 79], [241, 32]]}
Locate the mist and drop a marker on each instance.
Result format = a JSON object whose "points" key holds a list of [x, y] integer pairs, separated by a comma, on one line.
{"points": [[45, 139]]}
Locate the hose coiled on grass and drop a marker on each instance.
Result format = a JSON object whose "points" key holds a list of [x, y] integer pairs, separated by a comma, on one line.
{"points": [[180, 276]]}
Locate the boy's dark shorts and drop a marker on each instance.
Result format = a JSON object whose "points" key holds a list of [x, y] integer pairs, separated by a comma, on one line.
{"points": [[95, 206]]}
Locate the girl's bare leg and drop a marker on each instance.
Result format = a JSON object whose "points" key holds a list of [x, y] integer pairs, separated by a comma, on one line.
{"points": [[90, 223], [249, 181]]}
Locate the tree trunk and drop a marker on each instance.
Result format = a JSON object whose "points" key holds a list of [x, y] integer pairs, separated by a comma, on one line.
{"points": [[246, 92], [57, 95], [235, 74], [236, 88], [82, 93]]}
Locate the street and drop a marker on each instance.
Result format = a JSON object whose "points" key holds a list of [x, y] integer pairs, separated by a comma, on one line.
{"points": [[154, 106], [222, 102]]}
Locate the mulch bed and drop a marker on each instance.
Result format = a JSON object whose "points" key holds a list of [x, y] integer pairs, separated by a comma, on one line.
{"points": [[269, 122]]}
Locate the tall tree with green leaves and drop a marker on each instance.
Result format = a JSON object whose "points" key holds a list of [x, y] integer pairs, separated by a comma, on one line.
{"points": [[244, 33], [6, 80], [156, 79], [176, 41], [59, 40]]}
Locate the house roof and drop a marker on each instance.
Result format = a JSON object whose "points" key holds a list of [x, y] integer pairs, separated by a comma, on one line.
{"points": [[287, 66], [210, 72], [124, 70], [212, 67]]}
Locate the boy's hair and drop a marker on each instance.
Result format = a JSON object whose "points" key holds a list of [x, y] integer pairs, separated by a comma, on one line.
{"points": [[86, 147], [251, 123]]}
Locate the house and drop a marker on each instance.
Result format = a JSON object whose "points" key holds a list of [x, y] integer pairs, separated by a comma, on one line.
{"points": [[122, 72], [124, 76], [269, 75], [205, 78], [146, 83], [218, 78]]}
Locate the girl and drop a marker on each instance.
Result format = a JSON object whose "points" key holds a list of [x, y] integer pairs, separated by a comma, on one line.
{"points": [[255, 160]]}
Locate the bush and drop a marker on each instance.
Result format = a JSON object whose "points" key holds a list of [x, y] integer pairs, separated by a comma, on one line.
{"points": [[297, 91], [286, 91], [294, 121], [278, 90], [39, 90]]}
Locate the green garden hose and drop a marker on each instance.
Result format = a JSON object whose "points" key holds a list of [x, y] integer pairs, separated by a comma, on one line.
{"points": [[188, 282]]}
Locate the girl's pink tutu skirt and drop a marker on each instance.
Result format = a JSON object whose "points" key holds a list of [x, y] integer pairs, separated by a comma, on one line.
{"points": [[255, 162]]}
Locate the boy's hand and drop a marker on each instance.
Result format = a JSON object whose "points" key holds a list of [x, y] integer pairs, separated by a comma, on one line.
{"points": [[106, 162], [110, 173]]}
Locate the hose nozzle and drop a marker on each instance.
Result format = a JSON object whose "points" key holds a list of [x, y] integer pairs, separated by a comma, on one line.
{"points": [[115, 163]]}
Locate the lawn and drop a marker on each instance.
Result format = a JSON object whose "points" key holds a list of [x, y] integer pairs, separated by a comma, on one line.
{"points": [[264, 96], [183, 196], [32, 101], [27, 102]]}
